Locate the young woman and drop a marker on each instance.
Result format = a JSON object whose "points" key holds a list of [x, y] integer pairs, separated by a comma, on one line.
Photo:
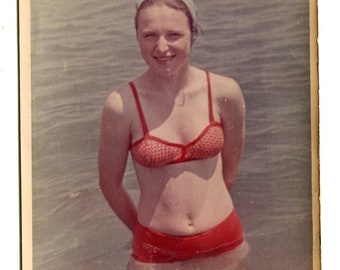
{"points": [[185, 130]]}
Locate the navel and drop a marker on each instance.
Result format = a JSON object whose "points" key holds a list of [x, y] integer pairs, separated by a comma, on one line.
{"points": [[190, 220]]}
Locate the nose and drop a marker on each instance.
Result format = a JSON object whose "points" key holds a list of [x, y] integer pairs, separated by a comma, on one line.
{"points": [[162, 45]]}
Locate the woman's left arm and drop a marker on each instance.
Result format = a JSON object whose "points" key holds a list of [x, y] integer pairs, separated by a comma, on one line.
{"points": [[232, 112]]}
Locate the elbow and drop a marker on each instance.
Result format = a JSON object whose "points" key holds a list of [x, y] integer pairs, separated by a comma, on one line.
{"points": [[104, 185], [229, 186], [101, 183], [229, 182], [109, 188]]}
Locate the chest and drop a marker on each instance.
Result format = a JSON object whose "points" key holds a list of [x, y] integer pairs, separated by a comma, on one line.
{"points": [[179, 124]]}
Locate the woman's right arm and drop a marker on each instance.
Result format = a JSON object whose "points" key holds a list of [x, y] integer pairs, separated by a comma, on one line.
{"points": [[112, 158]]}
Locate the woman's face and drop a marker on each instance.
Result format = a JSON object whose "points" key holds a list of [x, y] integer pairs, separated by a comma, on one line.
{"points": [[164, 38]]}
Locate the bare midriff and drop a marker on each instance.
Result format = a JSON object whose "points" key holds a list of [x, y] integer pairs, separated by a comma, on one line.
{"points": [[184, 198]]}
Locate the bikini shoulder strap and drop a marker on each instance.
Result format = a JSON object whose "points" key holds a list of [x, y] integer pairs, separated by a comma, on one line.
{"points": [[211, 113], [139, 108]]}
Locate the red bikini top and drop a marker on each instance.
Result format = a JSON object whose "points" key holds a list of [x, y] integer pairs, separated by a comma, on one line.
{"points": [[154, 152]]}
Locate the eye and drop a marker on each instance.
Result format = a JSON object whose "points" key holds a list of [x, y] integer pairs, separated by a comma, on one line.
{"points": [[149, 35], [174, 35]]}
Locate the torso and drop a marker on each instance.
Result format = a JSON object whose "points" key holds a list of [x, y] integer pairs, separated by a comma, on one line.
{"points": [[182, 198]]}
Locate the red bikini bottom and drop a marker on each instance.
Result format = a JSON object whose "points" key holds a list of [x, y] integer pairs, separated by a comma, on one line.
{"points": [[153, 246]]}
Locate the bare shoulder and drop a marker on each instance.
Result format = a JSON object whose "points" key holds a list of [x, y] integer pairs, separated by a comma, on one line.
{"points": [[228, 99], [225, 87], [115, 102], [117, 106]]}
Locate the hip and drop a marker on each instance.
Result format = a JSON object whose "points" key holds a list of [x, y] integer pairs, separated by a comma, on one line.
{"points": [[153, 246]]}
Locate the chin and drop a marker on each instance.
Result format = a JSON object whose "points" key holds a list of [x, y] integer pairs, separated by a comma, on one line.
{"points": [[168, 71]]}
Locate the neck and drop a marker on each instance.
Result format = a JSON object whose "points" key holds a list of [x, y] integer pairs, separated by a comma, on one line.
{"points": [[170, 86]]}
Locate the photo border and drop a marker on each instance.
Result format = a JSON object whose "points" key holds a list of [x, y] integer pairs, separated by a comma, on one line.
{"points": [[24, 40]]}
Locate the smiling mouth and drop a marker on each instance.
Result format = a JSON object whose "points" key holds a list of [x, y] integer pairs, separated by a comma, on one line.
{"points": [[164, 59]]}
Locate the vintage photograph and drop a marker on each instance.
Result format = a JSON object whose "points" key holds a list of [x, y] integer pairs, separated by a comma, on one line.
{"points": [[171, 134]]}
